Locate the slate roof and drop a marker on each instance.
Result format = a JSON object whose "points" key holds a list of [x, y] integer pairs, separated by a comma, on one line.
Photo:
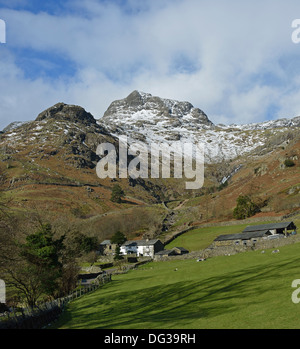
{"points": [[105, 242], [182, 249], [140, 242], [281, 225], [243, 236], [165, 253]]}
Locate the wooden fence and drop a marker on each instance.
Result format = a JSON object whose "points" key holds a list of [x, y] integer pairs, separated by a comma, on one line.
{"points": [[45, 313]]}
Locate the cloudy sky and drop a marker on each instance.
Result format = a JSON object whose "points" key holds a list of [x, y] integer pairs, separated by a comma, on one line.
{"points": [[233, 59]]}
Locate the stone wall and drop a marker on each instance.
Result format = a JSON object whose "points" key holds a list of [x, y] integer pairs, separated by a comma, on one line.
{"points": [[265, 244], [214, 251]]}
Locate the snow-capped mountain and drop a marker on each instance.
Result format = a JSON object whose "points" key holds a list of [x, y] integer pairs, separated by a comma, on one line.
{"points": [[143, 117], [156, 121]]}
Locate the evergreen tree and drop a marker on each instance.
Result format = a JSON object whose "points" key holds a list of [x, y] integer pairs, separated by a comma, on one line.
{"points": [[117, 194], [38, 270], [118, 255], [118, 238]]}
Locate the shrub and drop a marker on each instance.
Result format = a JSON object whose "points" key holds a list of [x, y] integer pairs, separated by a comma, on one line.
{"points": [[117, 194], [223, 185], [289, 163], [245, 207]]}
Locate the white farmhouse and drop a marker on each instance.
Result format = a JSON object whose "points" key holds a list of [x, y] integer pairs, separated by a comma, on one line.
{"points": [[142, 248]]}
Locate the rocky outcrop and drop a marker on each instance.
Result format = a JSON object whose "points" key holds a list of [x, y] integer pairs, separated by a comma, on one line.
{"points": [[64, 131], [149, 119], [141, 104], [66, 112]]}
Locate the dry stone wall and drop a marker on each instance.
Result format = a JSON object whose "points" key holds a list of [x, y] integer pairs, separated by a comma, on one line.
{"points": [[214, 251]]}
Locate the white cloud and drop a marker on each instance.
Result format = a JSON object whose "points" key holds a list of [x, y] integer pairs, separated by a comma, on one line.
{"points": [[252, 106], [235, 49]]}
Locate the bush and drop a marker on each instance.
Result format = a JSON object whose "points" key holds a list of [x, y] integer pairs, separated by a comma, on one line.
{"points": [[223, 185], [117, 194], [289, 163], [245, 207]]}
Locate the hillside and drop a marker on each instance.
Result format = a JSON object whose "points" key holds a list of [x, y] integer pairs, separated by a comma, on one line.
{"points": [[266, 179], [48, 167]]}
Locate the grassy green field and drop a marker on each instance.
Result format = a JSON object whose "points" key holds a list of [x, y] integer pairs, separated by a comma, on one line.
{"points": [[198, 239], [247, 290]]}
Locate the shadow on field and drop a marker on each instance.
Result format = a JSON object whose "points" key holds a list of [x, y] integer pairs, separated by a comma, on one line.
{"points": [[174, 304]]}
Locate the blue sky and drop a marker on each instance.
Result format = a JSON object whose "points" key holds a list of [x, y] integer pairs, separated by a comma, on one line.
{"points": [[235, 60]]}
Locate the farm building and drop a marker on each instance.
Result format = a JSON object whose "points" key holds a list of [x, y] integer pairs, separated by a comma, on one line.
{"points": [[165, 253], [106, 248], [275, 228], [245, 239], [180, 250], [175, 251], [142, 248], [255, 233]]}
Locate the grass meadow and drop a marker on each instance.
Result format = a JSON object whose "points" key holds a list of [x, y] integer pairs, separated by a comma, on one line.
{"points": [[198, 239], [248, 290]]}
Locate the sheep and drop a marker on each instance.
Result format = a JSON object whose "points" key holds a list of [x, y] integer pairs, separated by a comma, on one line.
{"points": [[275, 251]]}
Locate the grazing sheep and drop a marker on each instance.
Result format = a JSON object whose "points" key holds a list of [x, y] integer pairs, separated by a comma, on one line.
{"points": [[275, 251]]}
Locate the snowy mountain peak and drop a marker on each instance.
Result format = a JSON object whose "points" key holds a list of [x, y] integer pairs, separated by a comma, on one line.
{"points": [[150, 119], [145, 107]]}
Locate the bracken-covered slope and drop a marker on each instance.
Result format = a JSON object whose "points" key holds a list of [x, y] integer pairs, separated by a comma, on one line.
{"points": [[271, 180], [48, 167]]}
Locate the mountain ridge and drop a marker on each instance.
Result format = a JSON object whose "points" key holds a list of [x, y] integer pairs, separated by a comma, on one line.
{"points": [[142, 101], [143, 117], [151, 119], [50, 163]]}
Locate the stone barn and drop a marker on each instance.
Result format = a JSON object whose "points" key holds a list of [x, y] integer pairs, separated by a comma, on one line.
{"points": [[255, 233], [175, 251], [241, 239], [282, 228], [106, 248]]}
